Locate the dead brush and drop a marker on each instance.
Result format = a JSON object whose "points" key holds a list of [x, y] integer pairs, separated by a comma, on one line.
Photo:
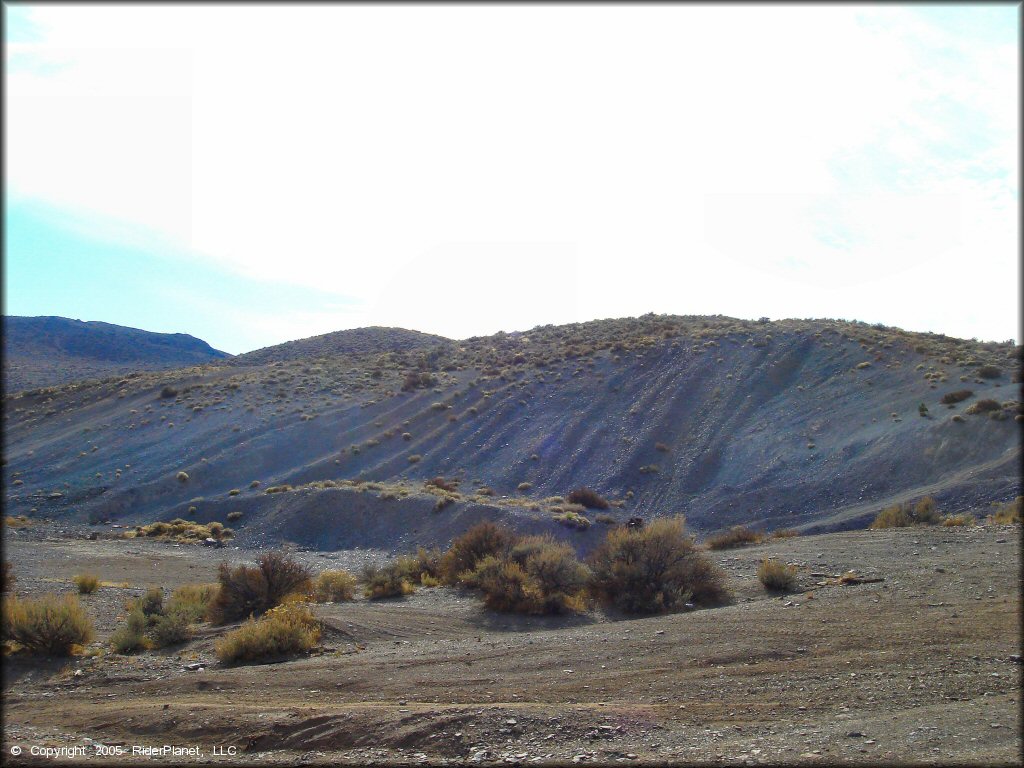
{"points": [[737, 536], [776, 576]]}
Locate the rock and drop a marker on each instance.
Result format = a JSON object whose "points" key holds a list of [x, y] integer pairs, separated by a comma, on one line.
{"points": [[854, 735], [194, 667]]}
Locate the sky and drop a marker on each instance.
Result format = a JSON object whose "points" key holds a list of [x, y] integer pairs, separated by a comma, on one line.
{"points": [[257, 174]]}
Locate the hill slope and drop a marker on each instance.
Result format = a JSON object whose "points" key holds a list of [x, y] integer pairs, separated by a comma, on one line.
{"points": [[44, 351], [792, 423]]}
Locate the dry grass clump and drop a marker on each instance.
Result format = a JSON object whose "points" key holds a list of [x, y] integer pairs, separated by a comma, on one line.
{"points": [[182, 477], [423, 568], [784, 533], [440, 483], [524, 487], [737, 536], [278, 489], [990, 372], [906, 514], [536, 575], [467, 550], [958, 520], [653, 569], [87, 583], [776, 576], [334, 586], [589, 498], [983, 406], [251, 591], [192, 600], [285, 630], [49, 625], [1008, 513], [380, 582], [572, 519], [182, 530], [958, 396], [233, 516]]}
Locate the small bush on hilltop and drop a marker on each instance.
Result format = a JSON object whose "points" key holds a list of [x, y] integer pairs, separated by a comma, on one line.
{"points": [[654, 568], [588, 498], [776, 576], [246, 590], [283, 631], [737, 536], [47, 625], [334, 586], [471, 547]]}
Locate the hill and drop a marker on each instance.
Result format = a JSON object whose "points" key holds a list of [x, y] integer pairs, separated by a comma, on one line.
{"points": [[357, 341], [44, 351], [813, 424]]}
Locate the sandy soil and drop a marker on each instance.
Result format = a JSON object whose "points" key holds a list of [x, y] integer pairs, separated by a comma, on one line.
{"points": [[921, 667]]}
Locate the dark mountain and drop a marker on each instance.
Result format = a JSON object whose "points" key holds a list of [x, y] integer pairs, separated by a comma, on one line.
{"points": [[793, 423], [44, 351]]}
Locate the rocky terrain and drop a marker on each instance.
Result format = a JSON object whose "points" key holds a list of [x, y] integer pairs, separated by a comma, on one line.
{"points": [[918, 664]]}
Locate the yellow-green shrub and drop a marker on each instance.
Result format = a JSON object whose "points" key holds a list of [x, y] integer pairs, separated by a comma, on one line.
{"points": [[47, 625], [87, 583], [776, 576], [282, 631], [334, 586]]}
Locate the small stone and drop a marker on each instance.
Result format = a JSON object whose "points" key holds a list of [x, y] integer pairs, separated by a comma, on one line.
{"points": [[854, 735]]}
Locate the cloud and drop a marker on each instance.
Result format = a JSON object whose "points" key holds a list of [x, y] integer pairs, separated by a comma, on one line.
{"points": [[461, 169]]}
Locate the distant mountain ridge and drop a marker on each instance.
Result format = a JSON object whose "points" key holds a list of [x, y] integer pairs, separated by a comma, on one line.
{"points": [[45, 351]]}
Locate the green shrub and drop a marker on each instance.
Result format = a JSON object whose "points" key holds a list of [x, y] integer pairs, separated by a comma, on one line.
{"points": [[171, 628], [387, 581], [737, 536], [192, 600], [283, 631], [87, 583], [588, 498], [334, 586], [250, 591], [654, 568], [776, 576], [47, 625], [471, 547], [132, 636]]}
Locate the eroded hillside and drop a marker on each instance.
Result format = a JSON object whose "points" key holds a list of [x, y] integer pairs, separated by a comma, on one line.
{"points": [[785, 424]]}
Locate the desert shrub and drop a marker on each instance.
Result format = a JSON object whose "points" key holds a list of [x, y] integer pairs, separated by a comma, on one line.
{"points": [[925, 511], [171, 628], [445, 485], [247, 590], [168, 392], [47, 625], [192, 600], [415, 458], [232, 516], [132, 636], [1010, 512], [471, 547], [422, 568], [958, 396], [283, 631], [785, 533], [87, 583], [776, 576], [150, 604], [654, 568], [438, 406], [278, 489], [334, 586], [182, 530], [737, 536], [606, 519], [663, 447], [381, 582], [983, 406], [524, 487], [990, 372], [957, 520], [572, 519], [182, 477], [588, 498], [895, 516], [649, 469], [537, 575], [8, 579]]}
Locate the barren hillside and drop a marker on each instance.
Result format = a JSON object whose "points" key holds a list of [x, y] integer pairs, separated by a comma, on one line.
{"points": [[812, 424]]}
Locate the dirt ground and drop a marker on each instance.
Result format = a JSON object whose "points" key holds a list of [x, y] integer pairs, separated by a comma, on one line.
{"points": [[921, 667]]}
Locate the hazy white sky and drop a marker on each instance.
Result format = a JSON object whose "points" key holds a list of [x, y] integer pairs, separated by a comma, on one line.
{"points": [[463, 170]]}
